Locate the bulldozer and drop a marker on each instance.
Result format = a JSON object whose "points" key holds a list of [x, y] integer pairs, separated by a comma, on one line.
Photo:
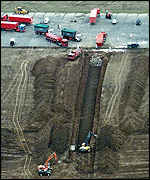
{"points": [[20, 10], [46, 170]]}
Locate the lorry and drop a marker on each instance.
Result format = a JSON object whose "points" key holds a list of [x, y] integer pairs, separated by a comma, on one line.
{"points": [[71, 34], [20, 10], [57, 39], [93, 15], [41, 28], [46, 170], [6, 25], [74, 54], [100, 39], [21, 19]]}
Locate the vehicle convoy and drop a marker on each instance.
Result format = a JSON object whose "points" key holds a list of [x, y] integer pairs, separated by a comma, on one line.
{"points": [[18, 18], [71, 34], [85, 147], [74, 54], [93, 15], [20, 10], [46, 170], [100, 39], [56, 39], [41, 28], [6, 25]]}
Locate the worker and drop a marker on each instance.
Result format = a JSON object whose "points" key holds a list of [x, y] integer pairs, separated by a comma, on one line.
{"points": [[12, 42]]}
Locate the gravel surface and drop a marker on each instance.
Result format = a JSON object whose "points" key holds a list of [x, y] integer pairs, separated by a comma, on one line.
{"points": [[118, 34]]}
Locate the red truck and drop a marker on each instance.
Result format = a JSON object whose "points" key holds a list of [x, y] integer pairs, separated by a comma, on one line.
{"points": [[57, 39], [100, 39], [6, 25], [93, 15], [74, 54], [18, 18]]}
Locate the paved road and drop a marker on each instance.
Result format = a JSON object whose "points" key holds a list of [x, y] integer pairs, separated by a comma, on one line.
{"points": [[118, 35]]}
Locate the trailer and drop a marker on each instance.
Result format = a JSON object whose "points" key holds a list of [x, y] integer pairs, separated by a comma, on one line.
{"points": [[6, 25], [21, 19], [100, 39], [93, 16], [57, 39], [41, 28], [71, 34]]}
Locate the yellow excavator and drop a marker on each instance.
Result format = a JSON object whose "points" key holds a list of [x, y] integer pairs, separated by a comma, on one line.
{"points": [[20, 10], [46, 170]]}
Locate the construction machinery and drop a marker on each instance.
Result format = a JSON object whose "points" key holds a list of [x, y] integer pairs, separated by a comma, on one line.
{"points": [[46, 170], [85, 147], [41, 28], [56, 39], [74, 54], [20, 10], [71, 34], [6, 25]]}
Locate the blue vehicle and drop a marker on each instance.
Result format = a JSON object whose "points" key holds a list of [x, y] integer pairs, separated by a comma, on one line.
{"points": [[41, 28], [138, 22], [132, 45]]}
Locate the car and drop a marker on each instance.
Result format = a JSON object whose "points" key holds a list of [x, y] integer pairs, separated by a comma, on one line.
{"points": [[138, 22], [114, 21], [132, 45]]}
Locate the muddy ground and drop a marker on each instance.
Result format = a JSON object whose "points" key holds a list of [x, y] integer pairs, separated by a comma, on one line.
{"points": [[41, 92]]}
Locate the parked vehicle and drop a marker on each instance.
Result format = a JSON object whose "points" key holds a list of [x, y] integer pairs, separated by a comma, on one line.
{"points": [[71, 34], [46, 170], [20, 19], [6, 25], [100, 39], [74, 54], [108, 15], [93, 16], [41, 28], [132, 45], [114, 21], [57, 39], [4, 17], [20, 10], [138, 22]]}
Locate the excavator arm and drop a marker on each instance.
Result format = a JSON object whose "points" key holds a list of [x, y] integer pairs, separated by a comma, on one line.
{"points": [[51, 157]]}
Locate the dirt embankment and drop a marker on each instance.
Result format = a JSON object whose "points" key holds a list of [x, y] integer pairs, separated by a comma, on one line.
{"points": [[48, 125]]}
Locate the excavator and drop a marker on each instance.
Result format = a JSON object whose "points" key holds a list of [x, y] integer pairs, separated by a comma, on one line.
{"points": [[46, 170], [85, 145]]}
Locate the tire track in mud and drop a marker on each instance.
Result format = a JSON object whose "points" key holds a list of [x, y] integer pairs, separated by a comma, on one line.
{"points": [[112, 102], [18, 109]]}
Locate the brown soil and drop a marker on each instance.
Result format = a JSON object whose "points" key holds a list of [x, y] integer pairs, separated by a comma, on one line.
{"points": [[42, 98]]}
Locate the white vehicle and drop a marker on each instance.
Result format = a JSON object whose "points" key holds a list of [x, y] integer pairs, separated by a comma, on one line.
{"points": [[46, 20], [114, 21]]}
